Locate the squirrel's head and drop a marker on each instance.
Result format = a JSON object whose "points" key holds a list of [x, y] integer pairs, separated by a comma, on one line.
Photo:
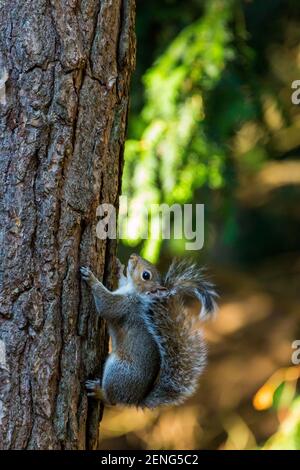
{"points": [[144, 275]]}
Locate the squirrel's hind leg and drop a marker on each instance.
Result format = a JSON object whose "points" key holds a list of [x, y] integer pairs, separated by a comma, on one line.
{"points": [[122, 383], [94, 390]]}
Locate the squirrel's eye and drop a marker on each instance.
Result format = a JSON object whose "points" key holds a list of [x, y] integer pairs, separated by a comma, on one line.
{"points": [[146, 275]]}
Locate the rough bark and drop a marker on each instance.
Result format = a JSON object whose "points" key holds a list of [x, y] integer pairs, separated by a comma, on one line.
{"points": [[65, 68]]}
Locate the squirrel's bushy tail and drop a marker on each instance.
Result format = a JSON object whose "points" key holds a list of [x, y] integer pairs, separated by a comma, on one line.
{"points": [[188, 281], [182, 348]]}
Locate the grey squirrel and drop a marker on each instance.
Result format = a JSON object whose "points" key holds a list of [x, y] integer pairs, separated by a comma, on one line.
{"points": [[157, 353]]}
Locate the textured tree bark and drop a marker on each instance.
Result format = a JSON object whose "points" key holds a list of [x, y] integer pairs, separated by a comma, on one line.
{"points": [[65, 67]]}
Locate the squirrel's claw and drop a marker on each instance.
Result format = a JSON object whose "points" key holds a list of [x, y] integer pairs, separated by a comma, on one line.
{"points": [[93, 388], [86, 274], [91, 384], [85, 271]]}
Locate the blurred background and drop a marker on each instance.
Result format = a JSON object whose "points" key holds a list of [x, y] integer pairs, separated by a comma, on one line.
{"points": [[212, 122]]}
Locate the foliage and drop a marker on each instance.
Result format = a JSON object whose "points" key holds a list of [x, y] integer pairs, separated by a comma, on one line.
{"points": [[280, 393], [172, 155], [215, 108], [212, 121]]}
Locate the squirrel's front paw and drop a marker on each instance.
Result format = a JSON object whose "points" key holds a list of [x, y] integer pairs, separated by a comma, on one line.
{"points": [[94, 390], [87, 275]]}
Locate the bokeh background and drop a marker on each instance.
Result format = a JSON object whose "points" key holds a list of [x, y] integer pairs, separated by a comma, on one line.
{"points": [[212, 121]]}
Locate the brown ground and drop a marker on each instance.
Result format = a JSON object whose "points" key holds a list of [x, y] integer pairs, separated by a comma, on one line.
{"points": [[250, 339]]}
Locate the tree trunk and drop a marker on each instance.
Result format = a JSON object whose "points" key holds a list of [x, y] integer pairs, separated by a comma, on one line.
{"points": [[65, 67]]}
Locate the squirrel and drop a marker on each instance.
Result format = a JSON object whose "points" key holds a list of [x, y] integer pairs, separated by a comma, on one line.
{"points": [[157, 353]]}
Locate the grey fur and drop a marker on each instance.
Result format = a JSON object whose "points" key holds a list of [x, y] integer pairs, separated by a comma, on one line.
{"points": [[187, 280], [124, 381], [161, 355]]}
